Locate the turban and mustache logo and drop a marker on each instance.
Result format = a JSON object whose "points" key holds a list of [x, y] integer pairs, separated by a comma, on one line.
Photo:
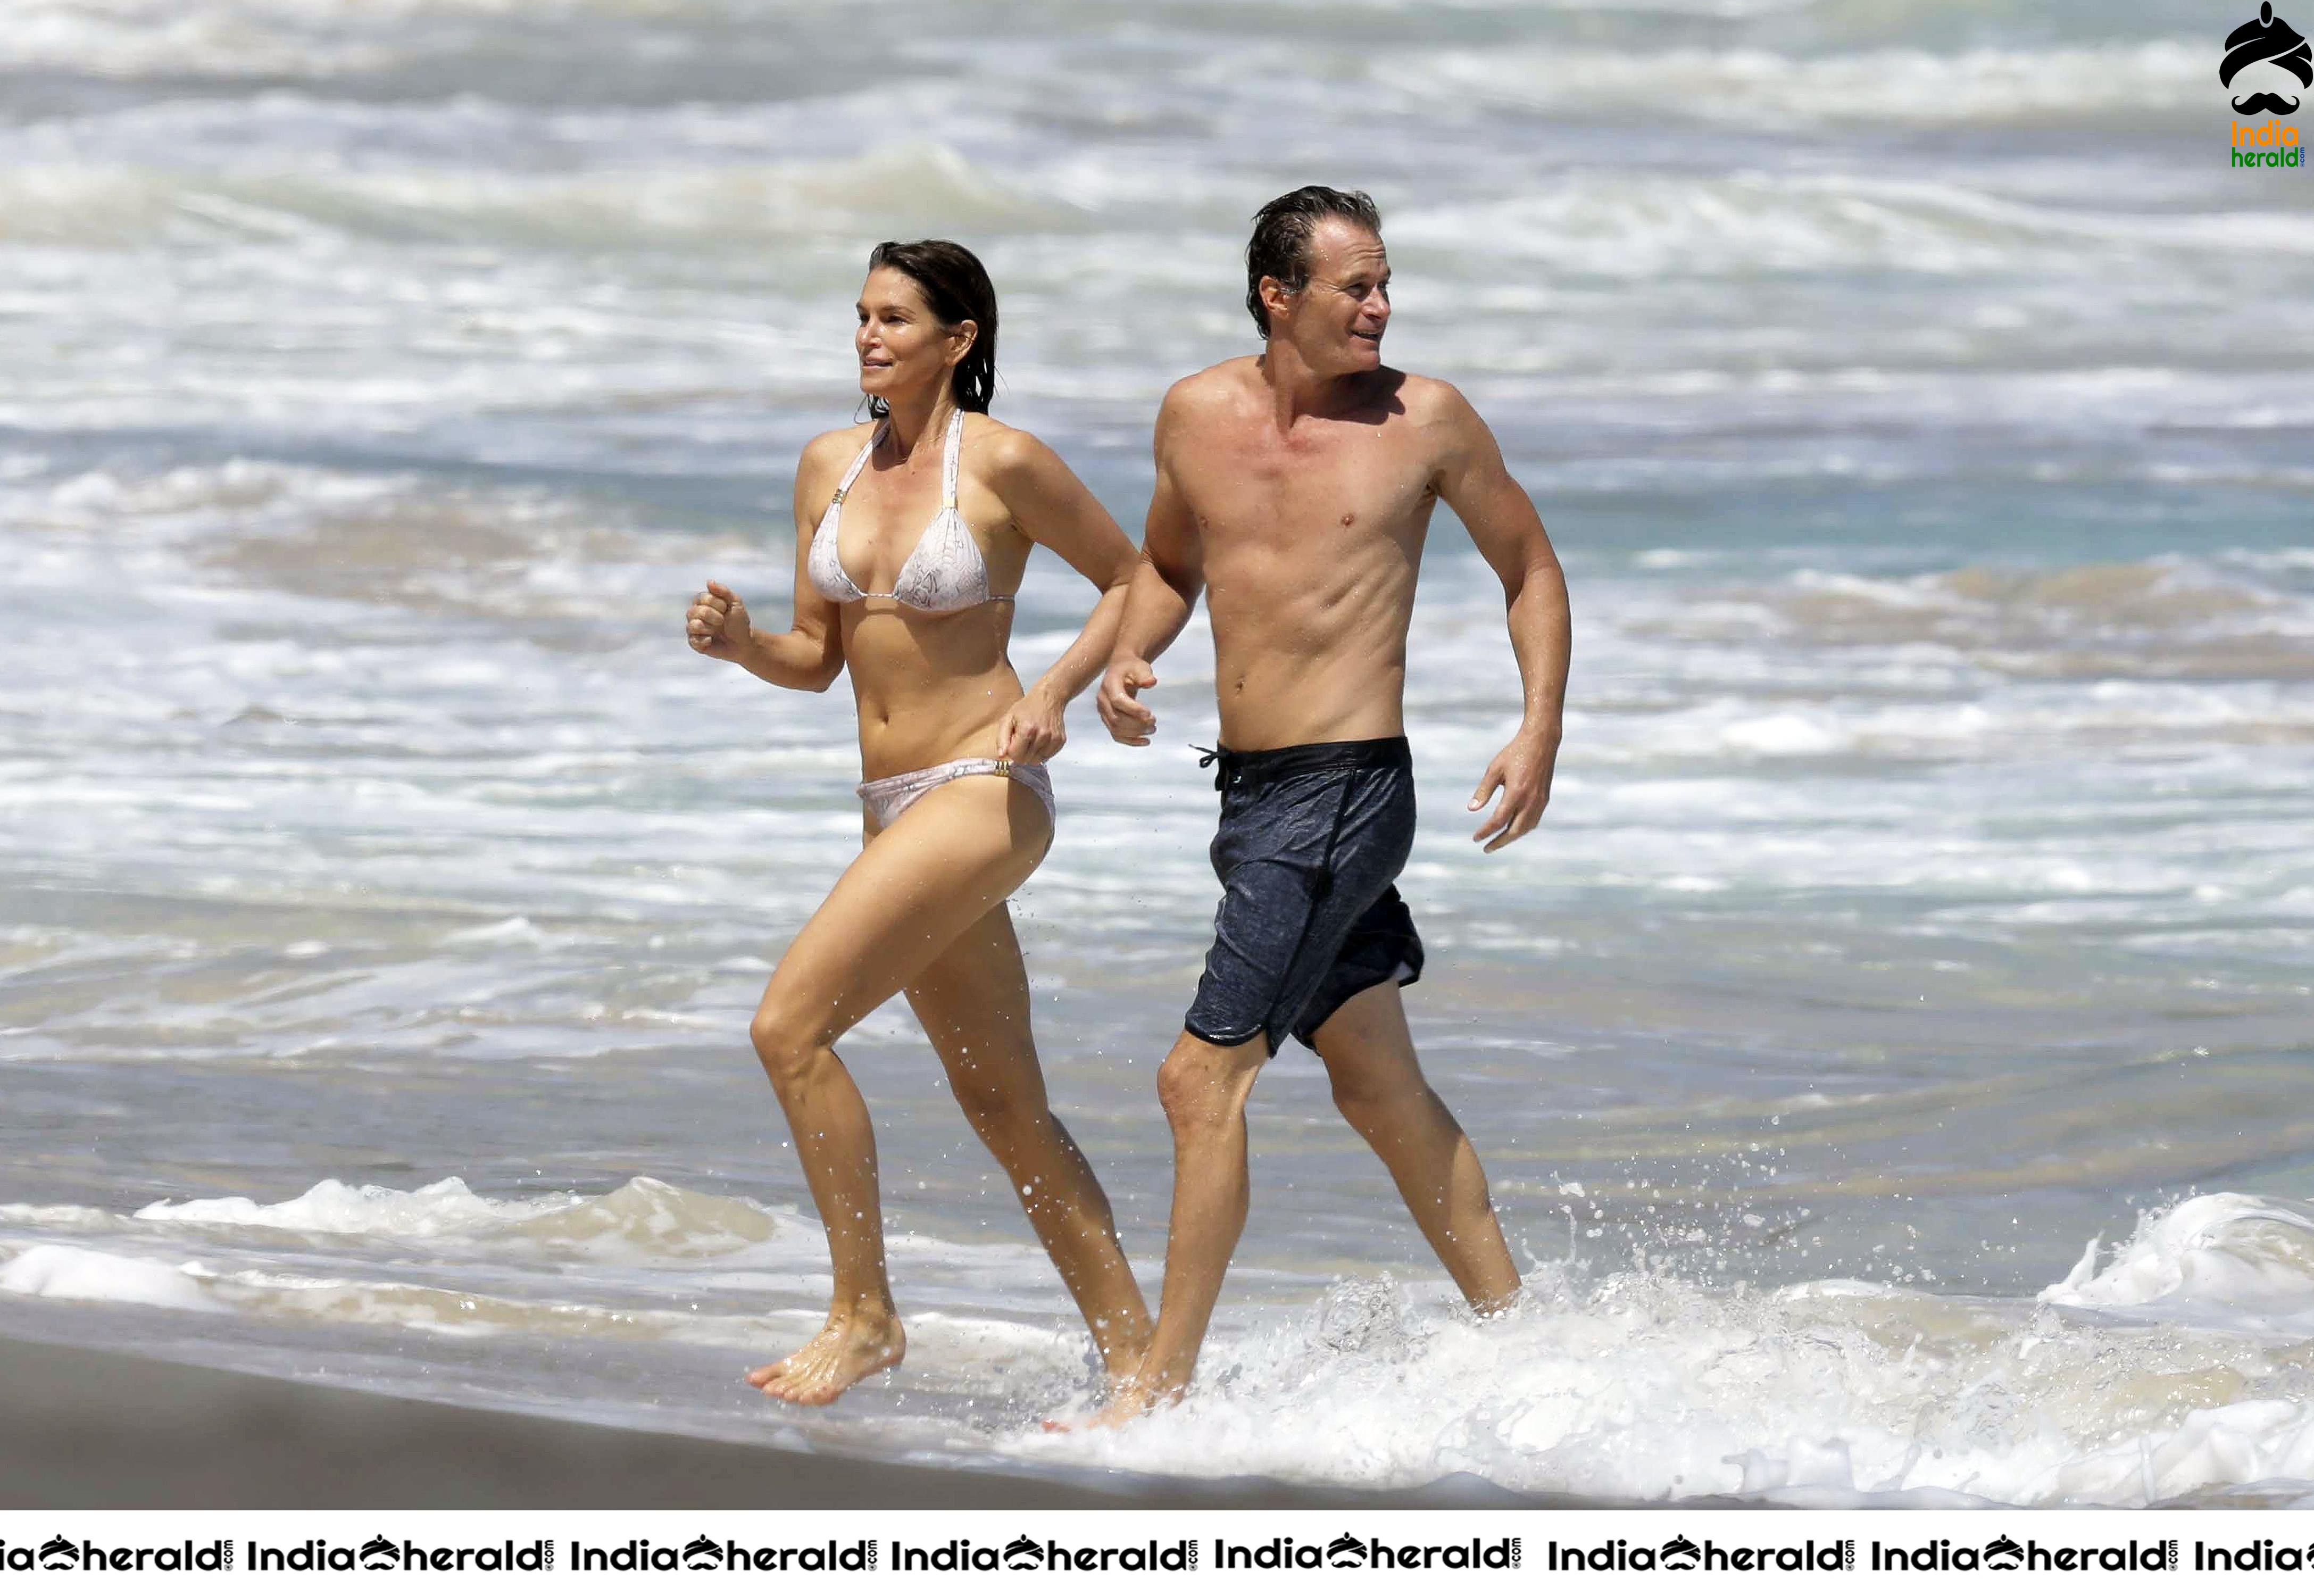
{"points": [[2272, 39]]}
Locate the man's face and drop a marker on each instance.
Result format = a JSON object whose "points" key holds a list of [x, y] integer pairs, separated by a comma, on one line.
{"points": [[1336, 322]]}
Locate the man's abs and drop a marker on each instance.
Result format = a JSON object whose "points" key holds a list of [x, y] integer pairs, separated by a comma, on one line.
{"points": [[1284, 675]]}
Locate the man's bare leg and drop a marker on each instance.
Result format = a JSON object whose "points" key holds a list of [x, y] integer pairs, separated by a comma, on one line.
{"points": [[1378, 1086], [1204, 1089]]}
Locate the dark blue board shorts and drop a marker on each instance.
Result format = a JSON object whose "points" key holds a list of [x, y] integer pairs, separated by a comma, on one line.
{"points": [[1311, 838]]}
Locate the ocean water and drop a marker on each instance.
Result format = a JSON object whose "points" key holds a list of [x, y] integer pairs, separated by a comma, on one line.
{"points": [[1891, 1054]]}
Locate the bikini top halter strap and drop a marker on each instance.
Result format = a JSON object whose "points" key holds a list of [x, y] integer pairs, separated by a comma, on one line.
{"points": [[858, 465], [951, 460]]}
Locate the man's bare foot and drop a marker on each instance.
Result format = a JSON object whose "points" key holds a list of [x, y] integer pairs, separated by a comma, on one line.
{"points": [[1494, 1308], [842, 1355]]}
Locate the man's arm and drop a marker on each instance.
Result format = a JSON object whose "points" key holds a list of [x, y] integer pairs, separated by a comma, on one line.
{"points": [[1480, 489], [1164, 591]]}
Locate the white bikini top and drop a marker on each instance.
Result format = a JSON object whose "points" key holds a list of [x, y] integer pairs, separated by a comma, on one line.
{"points": [[945, 572]]}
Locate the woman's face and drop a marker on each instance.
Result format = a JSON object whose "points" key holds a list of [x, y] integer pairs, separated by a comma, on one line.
{"points": [[903, 348]]}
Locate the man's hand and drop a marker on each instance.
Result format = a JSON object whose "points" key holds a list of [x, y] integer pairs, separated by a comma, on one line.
{"points": [[1128, 719], [1522, 771], [718, 624], [1034, 729]]}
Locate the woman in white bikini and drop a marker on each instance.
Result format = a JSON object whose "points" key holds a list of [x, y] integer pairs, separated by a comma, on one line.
{"points": [[910, 534]]}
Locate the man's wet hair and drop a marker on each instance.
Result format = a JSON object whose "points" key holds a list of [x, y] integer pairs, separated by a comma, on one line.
{"points": [[1280, 245]]}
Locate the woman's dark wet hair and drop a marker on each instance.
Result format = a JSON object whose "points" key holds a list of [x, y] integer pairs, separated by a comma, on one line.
{"points": [[956, 289], [1280, 245]]}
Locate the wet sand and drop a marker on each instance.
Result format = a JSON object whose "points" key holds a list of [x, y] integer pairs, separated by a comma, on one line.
{"points": [[82, 1429]]}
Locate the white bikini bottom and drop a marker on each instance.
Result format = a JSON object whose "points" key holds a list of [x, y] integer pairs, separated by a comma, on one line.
{"points": [[888, 797]]}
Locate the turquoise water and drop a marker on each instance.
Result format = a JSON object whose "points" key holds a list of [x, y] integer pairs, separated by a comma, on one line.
{"points": [[1921, 407]]}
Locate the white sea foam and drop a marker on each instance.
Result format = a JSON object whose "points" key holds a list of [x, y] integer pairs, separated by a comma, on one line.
{"points": [[1785, 733], [1839, 1392], [2223, 1258], [717, 206], [79, 1275], [130, 38], [57, 1216], [1994, 87], [1679, 224], [645, 1217], [447, 1207]]}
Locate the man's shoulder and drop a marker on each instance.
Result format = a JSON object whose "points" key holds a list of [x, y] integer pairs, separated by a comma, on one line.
{"points": [[1428, 399], [1216, 385]]}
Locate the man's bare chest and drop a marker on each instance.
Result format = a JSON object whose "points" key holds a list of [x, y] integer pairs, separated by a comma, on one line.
{"points": [[1351, 483]]}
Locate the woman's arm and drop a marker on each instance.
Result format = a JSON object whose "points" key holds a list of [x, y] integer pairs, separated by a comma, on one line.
{"points": [[809, 655], [1053, 507]]}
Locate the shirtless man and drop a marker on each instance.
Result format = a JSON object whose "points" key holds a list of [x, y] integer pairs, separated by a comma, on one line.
{"points": [[1295, 488]]}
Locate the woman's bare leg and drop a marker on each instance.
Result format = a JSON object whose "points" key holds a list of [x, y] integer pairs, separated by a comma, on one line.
{"points": [[974, 1002], [956, 854]]}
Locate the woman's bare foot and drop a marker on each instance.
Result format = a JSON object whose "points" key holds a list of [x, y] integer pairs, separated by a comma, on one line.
{"points": [[1129, 1397], [1130, 1401], [1122, 1356], [842, 1355]]}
